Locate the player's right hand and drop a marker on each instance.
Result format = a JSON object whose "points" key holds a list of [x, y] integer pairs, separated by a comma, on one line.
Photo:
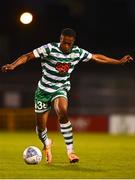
{"points": [[126, 58], [7, 67]]}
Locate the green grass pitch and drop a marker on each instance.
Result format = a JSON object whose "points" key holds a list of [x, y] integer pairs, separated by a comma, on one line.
{"points": [[101, 156]]}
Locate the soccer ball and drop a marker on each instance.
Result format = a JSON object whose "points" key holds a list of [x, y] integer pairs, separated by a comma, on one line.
{"points": [[32, 155]]}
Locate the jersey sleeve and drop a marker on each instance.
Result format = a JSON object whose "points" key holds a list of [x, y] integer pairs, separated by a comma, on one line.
{"points": [[42, 51], [85, 55]]}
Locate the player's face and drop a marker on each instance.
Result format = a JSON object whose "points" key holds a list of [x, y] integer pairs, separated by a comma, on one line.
{"points": [[66, 43]]}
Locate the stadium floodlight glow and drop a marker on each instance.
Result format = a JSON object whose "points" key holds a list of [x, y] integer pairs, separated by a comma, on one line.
{"points": [[26, 18]]}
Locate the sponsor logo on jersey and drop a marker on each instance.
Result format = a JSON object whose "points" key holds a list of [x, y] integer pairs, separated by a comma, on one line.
{"points": [[62, 67]]}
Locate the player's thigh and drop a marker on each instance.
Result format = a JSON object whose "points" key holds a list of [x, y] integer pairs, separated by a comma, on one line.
{"points": [[60, 105], [60, 101]]}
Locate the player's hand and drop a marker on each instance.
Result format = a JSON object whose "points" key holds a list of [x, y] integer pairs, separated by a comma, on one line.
{"points": [[7, 67], [126, 58]]}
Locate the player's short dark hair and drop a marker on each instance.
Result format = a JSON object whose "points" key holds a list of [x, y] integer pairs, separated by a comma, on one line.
{"points": [[68, 32]]}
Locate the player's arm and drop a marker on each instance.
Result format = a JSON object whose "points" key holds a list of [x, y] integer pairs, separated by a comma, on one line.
{"points": [[104, 59], [21, 60]]}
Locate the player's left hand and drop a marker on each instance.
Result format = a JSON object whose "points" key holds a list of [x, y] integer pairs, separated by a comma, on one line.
{"points": [[126, 58]]}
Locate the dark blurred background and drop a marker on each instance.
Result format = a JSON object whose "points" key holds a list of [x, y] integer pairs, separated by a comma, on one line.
{"points": [[102, 26]]}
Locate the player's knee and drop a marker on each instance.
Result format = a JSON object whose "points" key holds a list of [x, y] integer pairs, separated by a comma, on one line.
{"points": [[62, 116]]}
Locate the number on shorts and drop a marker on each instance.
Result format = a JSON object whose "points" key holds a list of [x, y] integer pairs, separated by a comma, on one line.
{"points": [[40, 105]]}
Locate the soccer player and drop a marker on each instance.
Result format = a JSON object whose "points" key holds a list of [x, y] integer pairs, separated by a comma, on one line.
{"points": [[58, 62]]}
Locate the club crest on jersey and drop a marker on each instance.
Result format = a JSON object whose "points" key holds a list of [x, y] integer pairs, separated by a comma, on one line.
{"points": [[73, 55], [62, 67]]}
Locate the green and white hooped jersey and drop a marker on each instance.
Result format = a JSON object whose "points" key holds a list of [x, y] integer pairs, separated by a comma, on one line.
{"points": [[57, 66]]}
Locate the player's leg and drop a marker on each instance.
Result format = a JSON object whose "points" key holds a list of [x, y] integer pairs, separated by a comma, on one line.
{"points": [[41, 128], [61, 106], [42, 109]]}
